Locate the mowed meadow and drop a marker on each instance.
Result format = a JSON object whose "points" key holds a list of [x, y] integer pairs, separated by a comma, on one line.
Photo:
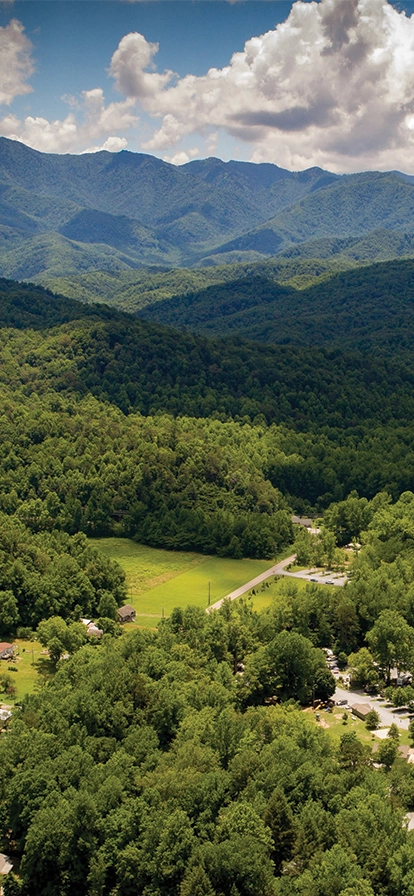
{"points": [[159, 580]]}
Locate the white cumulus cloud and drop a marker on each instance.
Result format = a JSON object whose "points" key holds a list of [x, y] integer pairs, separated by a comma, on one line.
{"points": [[97, 122], [89, 121], [16, 64], [112, 144], [333, 85], [183, 156], [128, 64]]}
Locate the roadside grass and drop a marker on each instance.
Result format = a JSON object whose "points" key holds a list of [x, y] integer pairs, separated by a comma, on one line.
{"points": [[159, 580], [295, 567], [282, 587]]}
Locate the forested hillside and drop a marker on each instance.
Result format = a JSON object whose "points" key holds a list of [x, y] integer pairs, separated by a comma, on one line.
{"points": [[302, 267], [331, 420], [132, 290], [114, 212], [370, 308]]}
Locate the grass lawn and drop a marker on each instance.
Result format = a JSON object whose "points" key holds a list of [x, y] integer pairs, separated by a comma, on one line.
{"points": [[334, 724], [29, 664], [159, 580]]}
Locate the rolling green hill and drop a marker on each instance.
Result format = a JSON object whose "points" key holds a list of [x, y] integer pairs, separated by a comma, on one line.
{"points": [[332, 420], [369, 307], [132, 290]]}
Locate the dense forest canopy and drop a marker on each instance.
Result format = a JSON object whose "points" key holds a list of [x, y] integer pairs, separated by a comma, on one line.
{"points": [[369, 309], [333, 421]]}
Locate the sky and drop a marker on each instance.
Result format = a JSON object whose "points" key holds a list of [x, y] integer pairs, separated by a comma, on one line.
{"points": [[313, 82]]}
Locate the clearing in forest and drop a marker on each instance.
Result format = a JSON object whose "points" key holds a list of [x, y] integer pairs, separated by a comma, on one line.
{"points": [[159, 580]]}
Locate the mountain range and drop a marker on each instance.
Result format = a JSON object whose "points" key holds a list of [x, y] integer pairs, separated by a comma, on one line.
{"points": [[117, 212]]}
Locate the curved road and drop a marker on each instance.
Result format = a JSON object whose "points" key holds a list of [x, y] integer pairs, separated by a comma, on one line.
{"points": [[280, 570]]}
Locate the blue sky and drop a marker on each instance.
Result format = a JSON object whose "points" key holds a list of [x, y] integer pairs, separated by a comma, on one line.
{"points": [[329, 83]]}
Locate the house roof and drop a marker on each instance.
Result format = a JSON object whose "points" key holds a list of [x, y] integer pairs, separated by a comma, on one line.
{"points": [[5, 646], [361, 708], [94, 630], [127, 610], [302, 521]]}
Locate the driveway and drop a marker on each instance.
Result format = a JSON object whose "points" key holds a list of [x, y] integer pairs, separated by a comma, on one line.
{"points": [[276, 570]]}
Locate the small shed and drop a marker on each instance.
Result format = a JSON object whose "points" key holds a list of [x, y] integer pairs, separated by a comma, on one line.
{"points": [[361, 710], [6, 650], [126, 613], [400, 679]]}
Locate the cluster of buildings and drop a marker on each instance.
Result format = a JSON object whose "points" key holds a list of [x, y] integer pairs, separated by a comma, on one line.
{"points": [[124, 614]]}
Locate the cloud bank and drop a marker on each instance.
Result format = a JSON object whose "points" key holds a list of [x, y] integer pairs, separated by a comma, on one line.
{"points": [[90, 128], [333, 86]]}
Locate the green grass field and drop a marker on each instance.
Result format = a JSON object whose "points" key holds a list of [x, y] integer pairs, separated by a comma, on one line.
{"points": [[159, 580], [30, 664]]}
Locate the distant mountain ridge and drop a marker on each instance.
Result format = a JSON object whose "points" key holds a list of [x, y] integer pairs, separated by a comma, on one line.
{"points": [[67, 214]]}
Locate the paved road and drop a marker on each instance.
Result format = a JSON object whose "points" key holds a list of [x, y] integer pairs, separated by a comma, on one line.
{"points": [[387, 716], [280, 570]]}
